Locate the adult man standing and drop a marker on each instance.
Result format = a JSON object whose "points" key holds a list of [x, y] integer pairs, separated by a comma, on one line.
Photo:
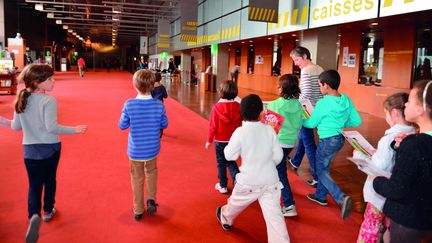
{"points": [[81, 64], [309, 90], [235, 72]]}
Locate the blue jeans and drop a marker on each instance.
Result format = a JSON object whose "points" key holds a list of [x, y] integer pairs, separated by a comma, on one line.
{"points": [[327, 150], [42, 175], [287, 197], [306, 141], [222, 164]]}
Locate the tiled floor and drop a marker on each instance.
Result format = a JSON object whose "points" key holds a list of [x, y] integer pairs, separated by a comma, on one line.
{"points": [[344, 172]]}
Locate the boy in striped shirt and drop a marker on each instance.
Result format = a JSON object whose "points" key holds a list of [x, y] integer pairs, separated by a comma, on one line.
{"points": [[145, 117]]}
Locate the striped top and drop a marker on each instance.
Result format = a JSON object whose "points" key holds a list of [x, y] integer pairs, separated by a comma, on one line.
{"points": [[309, 83], [145, 117]]}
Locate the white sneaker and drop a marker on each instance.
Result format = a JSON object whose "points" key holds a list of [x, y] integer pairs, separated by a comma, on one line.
{"points": [[289, 211], [32, 233], [222, 190]]}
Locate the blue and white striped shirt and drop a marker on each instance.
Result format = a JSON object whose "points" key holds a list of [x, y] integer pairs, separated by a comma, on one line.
{"points": [[145, 117], [309, 83]]}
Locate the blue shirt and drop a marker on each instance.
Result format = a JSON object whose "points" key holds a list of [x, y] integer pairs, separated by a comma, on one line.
{"points": [[145, 117]]}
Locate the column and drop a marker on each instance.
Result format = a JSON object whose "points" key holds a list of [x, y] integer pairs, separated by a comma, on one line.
{"points": [[220, 60], [186, 66], [322, 44]]}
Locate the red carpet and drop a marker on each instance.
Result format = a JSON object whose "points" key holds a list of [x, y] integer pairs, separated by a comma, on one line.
{"points": [[94, 198]]}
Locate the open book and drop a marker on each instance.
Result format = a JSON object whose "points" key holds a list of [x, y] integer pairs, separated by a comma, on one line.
{"points": [[369, 168], [359, 142], [307, 108]]}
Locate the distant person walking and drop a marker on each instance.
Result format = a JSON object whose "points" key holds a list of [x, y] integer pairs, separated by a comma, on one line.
{"points": [[81, 65]]}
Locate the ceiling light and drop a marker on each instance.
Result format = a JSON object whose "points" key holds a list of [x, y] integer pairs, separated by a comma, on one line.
{"points": [[374, 24], [74, 33], [70, 30], [65, 27], [39, 7], [58, 21], [269, 38], [251, 41], [293, 35], [115, 18], [50, 15]]}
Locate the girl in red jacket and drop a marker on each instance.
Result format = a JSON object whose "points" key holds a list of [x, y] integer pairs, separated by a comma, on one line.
{"points": [[225, 118]]}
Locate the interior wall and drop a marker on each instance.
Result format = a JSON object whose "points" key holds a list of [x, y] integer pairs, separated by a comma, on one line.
{"points": [[287, 64]]}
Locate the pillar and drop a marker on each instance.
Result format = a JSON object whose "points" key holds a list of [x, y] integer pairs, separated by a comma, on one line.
{"points": [[322, 44], [220, 61], [186, 66]]}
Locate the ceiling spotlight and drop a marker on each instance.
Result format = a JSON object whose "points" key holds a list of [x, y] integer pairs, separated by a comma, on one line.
{"points": [[39, 6], [70, 30], [50, 15], [374, 24], [74, 33], [65, 27], [58, 21]]}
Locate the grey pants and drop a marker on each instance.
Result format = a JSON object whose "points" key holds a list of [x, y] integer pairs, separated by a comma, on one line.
{"points": [[400, 234]]}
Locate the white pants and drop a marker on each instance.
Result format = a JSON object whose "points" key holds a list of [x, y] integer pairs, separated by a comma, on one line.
{"points": [[268, 197]]}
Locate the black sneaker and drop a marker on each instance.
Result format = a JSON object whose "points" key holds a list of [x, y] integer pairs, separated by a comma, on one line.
{"points": [[293, 166], [151, 206], [312, 183], [138, 217], [346, 207], [313, 198], [218, 216], [32, 233]]}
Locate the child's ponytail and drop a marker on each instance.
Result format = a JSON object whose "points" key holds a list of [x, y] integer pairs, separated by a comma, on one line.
{"points": [[21, 100]]}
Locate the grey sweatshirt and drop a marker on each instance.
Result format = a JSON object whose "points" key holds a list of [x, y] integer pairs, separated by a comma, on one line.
{"points": [[39, 121]]}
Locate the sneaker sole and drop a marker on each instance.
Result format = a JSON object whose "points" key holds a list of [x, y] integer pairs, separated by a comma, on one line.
{"points": [[32, 234], [346, 208], [289, 214], [224, 226], [320, 203]]}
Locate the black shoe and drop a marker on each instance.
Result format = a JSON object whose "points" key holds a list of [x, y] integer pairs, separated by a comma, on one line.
{"points": [[293, 166], [151, 206], [218, 216], [138, 217], [346, 207], [313, 198], [312, 183]]}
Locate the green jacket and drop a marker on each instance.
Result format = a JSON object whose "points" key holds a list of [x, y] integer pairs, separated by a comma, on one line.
{"points": [[292, 111], [332, 114]]}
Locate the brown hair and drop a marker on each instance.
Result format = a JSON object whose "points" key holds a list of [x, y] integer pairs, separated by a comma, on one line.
{"points": [[143, 80], [158, 77], [427, 94], [289, 85], [396, 101], [31, 75], [228, 90]]}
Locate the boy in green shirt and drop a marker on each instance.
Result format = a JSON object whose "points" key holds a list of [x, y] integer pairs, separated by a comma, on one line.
{"points": [[331, 115]]}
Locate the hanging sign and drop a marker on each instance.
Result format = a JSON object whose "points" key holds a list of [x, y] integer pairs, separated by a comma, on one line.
{"points": [[263, 11]]}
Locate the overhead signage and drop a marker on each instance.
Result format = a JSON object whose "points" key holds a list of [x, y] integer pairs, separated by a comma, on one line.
{"points": [[263, 11], [188, 21], [293, 16], [143, 45], [331, 12], [393, 7], [163, 36]]}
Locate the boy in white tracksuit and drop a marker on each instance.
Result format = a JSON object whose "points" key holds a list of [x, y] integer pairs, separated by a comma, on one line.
{"points": [[259, 148]]}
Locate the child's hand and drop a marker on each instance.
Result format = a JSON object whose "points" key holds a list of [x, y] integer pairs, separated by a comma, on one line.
{"points": [[207, 145], [81, 129], [400, 137], [5, 122]]}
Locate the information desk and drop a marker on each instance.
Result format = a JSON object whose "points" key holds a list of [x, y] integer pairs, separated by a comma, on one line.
{"points": [[8, 83]]}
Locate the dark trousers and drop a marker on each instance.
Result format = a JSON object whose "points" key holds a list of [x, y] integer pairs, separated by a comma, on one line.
{"points": [[287, 196], [222, 165], [402, 234], [42, 175]]}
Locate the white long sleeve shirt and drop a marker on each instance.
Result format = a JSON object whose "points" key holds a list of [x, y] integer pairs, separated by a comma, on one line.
{"points": [[383, 158], [259, 148]]}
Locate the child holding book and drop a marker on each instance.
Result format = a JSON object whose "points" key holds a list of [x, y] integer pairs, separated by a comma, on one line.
{"points": [[408, 191], [373, 224], [145, 117], [331, 115], [290, 108], [259, 148], [225, 118]]}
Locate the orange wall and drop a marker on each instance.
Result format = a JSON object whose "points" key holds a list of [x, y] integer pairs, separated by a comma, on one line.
{"points": [[397, 66], [287, 63], [398, 56]]}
